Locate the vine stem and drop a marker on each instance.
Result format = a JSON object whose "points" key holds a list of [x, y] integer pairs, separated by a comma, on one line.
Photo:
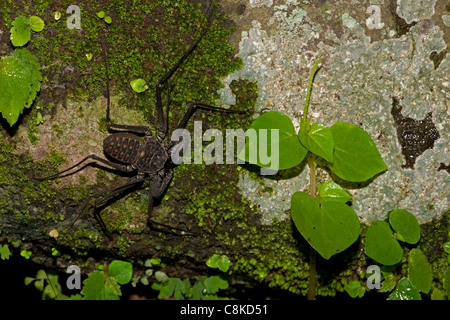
{"points": [[312, 191], [312, 254], [308, 93]]}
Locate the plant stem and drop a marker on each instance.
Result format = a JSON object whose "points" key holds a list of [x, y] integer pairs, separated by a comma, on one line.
{"points": [[312, 175], [308, 93], [312, 253]]}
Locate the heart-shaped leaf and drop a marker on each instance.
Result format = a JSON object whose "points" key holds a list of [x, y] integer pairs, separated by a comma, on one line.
{"points": [[419, 271], [356, 157], [287, 148], [331, 191], [381, 244], [329, 227], [405, 224], [317, 138]]}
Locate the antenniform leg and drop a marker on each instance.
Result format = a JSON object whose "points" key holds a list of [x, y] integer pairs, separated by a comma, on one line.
{"points": [[162, 122], [193, 106], [136, 129], [113, 193], [117, 166]]}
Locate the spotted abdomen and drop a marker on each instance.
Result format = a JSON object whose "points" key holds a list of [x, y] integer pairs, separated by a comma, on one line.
{"points": [[123, 147]]}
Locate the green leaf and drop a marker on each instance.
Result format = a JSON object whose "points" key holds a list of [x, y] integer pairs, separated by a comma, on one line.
{"points": [[447, 247], [198, 289], [26, 254], [329, 227], [179, 290], [36, 24], [405, 291], [437, 294], [4, 252], [381, 244], [389, 282], [15, 84], [28, 280], [144, 281], [93, 288], [30, 62], [287, 149], [167, 288], [354, 289], [121, 270], [318, 139], [112, 289], [214, 283], [99, 287], [223, 263], [331, 191], [53, 289], [20, 32], [101, 14], [161, 276], [406, 225], [41, 274], [419, 271], [20, 80], [108, 19], [39, 120], [356, 157], [39, 284], [212, 261], [139, 85]]}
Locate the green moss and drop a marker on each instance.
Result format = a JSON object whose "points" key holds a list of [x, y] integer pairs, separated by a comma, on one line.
{"points": [[284, 267], [56, 159], [433, 236], [80, 239], [128, 215]]}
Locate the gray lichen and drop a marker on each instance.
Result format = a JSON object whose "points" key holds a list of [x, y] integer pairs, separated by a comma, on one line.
{"points": [[356, 84], [415, 10]]}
